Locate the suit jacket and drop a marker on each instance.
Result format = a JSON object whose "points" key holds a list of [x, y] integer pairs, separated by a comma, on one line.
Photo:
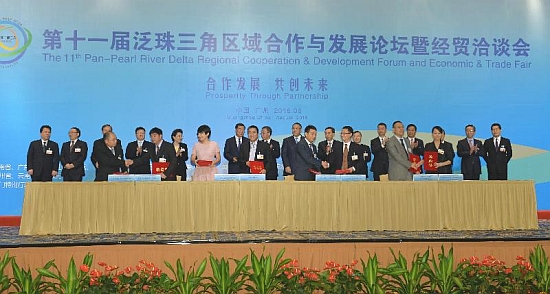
{"points": [[380, 162], [288, 153], [98, 144], [230, 150], [305, 159], [275, 151], [470, 163], [399, 163], [262, 148], [364, 157], [355, 157], [334, 158], [142, 161], [77, 157], [167, 152], [108, 163], [448, 154], [181, 168], [497, 159], [39, 160]]}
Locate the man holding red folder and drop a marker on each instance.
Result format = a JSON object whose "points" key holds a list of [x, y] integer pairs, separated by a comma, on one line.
{"points": [[255, 155], [163, 156], [398, 154]]}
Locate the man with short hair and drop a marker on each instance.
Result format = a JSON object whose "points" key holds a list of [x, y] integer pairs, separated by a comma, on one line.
{"points": [[255, 150], [232, 149], [364, 155], [73, 155], [288, 150], [398, 155], [139, 151], [380, 162], [99, 144], [326, 152], [350, 154], [43, 157], [306, 157], [470, 149], [497, 152], [163, 152], [275, 151], [109, 158]]}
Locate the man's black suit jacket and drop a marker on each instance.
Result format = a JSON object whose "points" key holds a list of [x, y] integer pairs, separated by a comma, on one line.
{"points": [[109, 163], [333, 157], [364, 157], [470, 164], [41, 161], [167, 152], [497, 159], [97, 144], [275, 151], [288, 153], [380, 163], [262, 148], [142, 161], [355, 157], [306, 159], [76, 156], [230, 150]]}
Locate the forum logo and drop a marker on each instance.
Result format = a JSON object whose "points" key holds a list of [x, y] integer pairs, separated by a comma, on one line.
{"points": [[14, 41]]}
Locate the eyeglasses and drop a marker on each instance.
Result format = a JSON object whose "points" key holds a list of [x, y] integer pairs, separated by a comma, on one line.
{"points": [[345, 133]]}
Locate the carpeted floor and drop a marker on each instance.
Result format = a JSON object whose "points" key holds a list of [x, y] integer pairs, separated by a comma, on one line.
{"points": [[10, 238]]}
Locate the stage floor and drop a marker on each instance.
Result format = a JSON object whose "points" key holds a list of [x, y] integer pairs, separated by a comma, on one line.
{"points": [[10, 238]]}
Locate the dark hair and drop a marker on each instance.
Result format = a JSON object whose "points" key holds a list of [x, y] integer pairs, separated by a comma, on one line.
{"points": [[155, 130], [253, 127], [268, 128], [382, 124], [470, 125], [411, 125], [496, 125], [358, 132], [77, 131], [107, 135], [440, 129], [139, 128], [348, 128], [175, 132], [204, 129], [239, 125], [297, 123], [330, 128], [396, 122], [106, 125], [45, 127], [310, 127]]}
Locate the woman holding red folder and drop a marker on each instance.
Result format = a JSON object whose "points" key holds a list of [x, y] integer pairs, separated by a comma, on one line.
{"points": [[445, 153], [205, 155]]}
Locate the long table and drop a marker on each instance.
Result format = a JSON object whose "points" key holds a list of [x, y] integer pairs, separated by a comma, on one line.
{"points": [[145, 207]]}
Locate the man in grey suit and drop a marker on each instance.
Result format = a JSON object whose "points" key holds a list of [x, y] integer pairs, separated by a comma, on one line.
{"points": [[398, 154]]}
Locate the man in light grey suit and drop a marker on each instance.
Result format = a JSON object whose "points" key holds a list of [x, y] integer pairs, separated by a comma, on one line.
{"points": [[398, 154]]}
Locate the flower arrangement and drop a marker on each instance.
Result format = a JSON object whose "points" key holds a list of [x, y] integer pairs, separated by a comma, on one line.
{"points": [[424, 273]]}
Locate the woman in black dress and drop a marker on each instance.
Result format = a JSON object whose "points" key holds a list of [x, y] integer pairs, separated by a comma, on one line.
{"points": [[181, 153]]}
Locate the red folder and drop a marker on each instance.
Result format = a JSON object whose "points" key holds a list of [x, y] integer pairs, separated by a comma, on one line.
{"points": [[342, 171], [256, 167], [315, 172], [414, 159], [160, 167], [204, 162], [430, 159]]}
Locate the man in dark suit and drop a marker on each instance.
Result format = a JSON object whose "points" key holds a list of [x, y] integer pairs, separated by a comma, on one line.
{"points": [[163, 152], [232, 148], [349, 154], [497, 152], [275, 151], [43, 157], [73, 155], [99, 144], [255, 150], [288, 150], [139, 152], [109, 158], [380, 163], [365, 155], [417, 145], [326, 152], [470, 149], [306, 157]]}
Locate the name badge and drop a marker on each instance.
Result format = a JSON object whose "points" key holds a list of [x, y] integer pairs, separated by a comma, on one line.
{"points": [[502, 149], [119, 158], [366, 154], [354, 157], [162, 159], [440, 151], [182, 150], [260, 156], [49, 152], [77, 150], [145, 150]]}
